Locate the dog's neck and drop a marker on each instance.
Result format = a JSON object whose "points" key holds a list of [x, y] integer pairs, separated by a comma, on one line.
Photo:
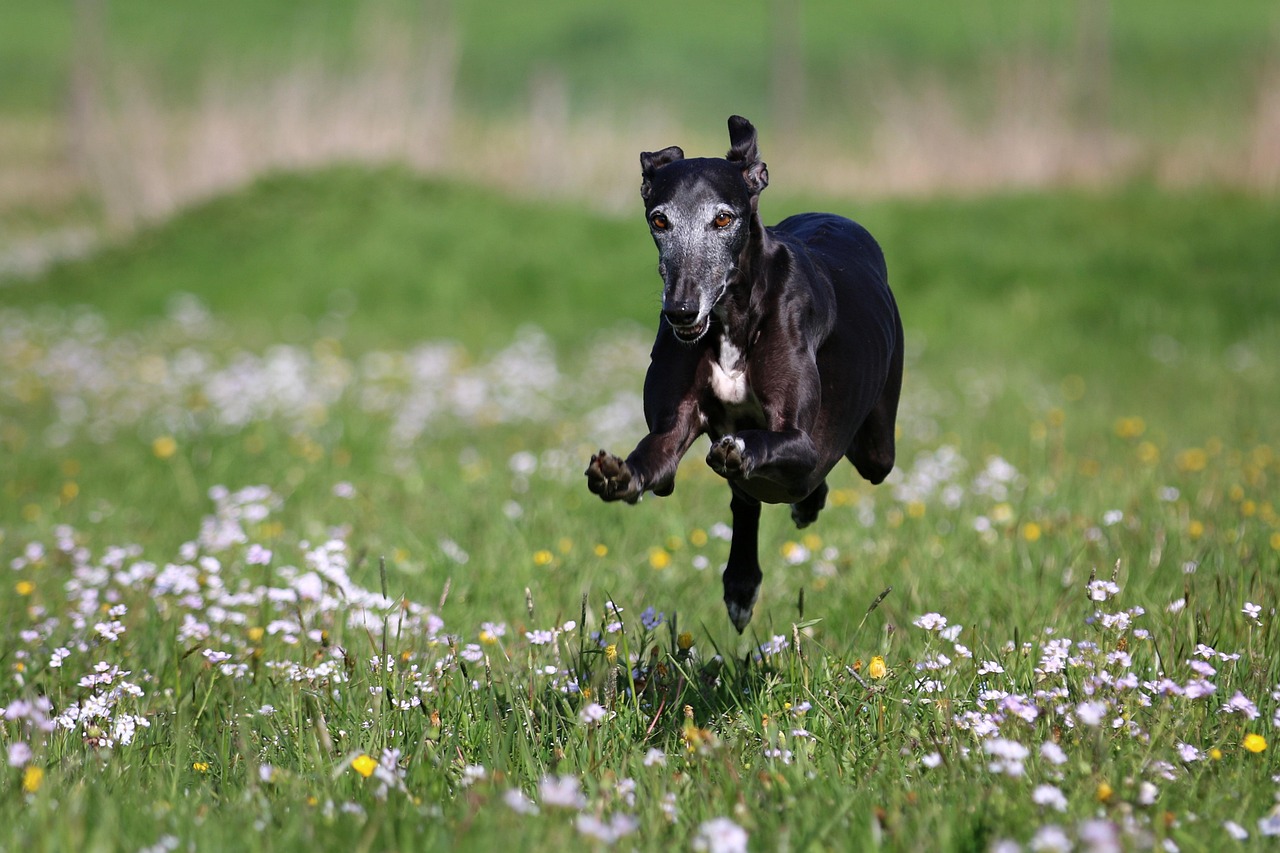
{"points": [[741, 309]]}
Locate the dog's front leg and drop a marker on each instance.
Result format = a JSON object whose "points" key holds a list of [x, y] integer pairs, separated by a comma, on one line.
{"points": [[787, 461], [675, 422], [779, 462], [651, 467]]}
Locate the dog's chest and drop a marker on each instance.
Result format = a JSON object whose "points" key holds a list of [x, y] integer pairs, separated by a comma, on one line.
{"points": [[729, 375]]}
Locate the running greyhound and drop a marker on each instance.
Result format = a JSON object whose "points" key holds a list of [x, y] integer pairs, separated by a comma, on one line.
{"points": [[782, 344]]}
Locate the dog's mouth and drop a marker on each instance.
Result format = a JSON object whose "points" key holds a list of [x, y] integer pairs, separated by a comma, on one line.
{"points": [[692, 332]]}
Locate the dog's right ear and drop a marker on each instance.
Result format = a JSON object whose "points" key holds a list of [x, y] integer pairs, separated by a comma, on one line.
{"points": [[746, 154], [652, 161]]}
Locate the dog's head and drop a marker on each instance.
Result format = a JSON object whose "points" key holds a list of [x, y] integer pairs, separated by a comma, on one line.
{"points": [[700, 212]]}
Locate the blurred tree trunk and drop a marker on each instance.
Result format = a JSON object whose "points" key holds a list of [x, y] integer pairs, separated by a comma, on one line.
{"points": [[786, 89], [1093, 64], [439, 80], [549, 166], [87, 68]]}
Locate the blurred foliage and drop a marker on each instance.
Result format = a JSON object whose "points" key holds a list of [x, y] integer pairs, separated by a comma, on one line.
{"points": [[1171, 61]]}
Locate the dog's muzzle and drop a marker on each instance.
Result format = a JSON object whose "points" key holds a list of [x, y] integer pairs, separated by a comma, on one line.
{"points": [[690, 320], [687, 320]]}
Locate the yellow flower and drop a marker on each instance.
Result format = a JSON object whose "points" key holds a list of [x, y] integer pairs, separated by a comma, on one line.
{"points": [[1195, 529], [256, 633], [659, 558], [24, 587], [1254, 743], [1215, 754], [1192, 459], [1148, 453], [601, 550], [543, 557], [611, 653], [685, 641], [32, 778], [200, 766], [843, 497], [1104, 792], [877, 669], [1031, 531], [1131, 427], [364, 765], [698, 537], [164, 447]]}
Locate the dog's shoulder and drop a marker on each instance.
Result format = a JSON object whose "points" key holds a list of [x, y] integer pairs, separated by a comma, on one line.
{"points": [[833, 241], [825, 231]]}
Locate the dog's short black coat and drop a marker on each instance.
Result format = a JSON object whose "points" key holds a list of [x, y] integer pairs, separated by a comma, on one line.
{"points": [[782, 344]]}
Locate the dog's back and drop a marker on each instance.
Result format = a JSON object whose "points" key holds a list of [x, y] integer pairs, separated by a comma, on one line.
{"points": [[865, 333]]}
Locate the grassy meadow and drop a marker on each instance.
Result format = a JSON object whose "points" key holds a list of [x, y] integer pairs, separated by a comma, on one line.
{"points": [[299, 553]]}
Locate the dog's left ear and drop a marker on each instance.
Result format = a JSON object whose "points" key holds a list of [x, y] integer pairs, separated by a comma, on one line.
{"points": [[743, 151], [652, 161]]}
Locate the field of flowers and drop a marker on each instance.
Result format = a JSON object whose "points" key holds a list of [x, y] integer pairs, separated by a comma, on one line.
{"points": [[296, 596]]}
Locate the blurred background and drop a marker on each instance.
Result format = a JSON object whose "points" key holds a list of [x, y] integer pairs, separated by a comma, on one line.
{"points": [[116, 112]]}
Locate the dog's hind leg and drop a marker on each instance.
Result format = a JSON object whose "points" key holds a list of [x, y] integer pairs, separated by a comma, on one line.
{"points": [[874, 449], [805, 512], [742, 575]]}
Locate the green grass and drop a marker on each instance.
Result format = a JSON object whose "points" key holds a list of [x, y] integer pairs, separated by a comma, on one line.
{"points": [[1032, 323]]}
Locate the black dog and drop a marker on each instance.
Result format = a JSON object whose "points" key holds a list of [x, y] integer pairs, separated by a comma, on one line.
{"points": [[782, 344]]}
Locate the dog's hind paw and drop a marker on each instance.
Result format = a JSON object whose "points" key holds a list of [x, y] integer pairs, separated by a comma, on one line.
{"points": [[728, 457], [610, 478]]}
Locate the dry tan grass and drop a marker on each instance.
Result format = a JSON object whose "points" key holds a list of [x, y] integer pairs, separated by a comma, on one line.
{"points": [[144, 158]]}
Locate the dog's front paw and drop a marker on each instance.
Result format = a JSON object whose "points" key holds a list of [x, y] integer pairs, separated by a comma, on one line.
{"points": [[728, 457], [610, 478]]}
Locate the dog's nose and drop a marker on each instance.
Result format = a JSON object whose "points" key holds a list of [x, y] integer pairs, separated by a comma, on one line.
{"points": [[681, 314]]}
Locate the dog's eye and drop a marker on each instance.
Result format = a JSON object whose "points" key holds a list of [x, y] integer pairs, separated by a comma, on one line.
{"points": [[722, 220], [659, 222]]}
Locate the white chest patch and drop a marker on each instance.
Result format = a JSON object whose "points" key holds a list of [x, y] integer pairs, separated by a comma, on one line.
{"points": [[729, 374]]}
